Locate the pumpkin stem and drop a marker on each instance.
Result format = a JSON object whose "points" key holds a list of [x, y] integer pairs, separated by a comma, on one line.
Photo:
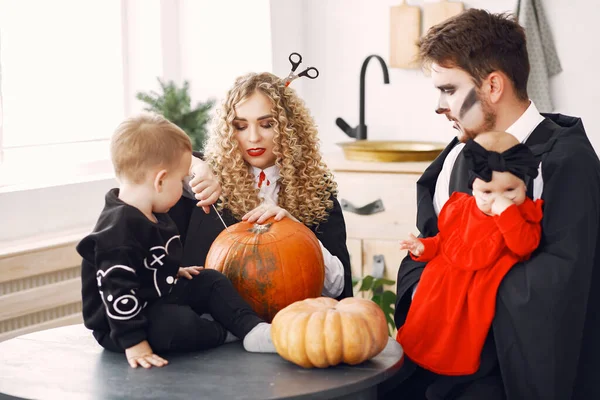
{"points": [[257, 228]]}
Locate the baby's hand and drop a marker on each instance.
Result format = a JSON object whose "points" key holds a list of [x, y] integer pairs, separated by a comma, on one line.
{"points": [[187, 272], [412, 244], [500, 204], [142, 354]]}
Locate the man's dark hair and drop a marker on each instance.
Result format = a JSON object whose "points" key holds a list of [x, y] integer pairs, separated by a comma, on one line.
{"points": [[480, 42]]}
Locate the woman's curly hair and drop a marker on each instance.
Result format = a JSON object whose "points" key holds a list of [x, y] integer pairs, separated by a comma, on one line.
{"points": [[307, 185]]}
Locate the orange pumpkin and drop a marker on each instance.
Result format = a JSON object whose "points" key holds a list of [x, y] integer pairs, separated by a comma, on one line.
{"points": [[271, 265], [323, 332]]}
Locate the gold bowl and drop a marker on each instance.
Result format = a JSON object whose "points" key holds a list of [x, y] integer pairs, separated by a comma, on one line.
{"points": [[391, 150]]}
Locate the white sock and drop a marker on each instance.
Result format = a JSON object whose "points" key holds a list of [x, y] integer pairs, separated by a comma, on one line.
{"points": [[258, 340]]}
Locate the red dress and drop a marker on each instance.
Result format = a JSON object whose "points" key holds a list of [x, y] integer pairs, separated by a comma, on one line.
{"points": [[454, 305]]}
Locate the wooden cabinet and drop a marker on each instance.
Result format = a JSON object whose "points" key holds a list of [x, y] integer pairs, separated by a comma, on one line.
{"points": [[377, 233]]}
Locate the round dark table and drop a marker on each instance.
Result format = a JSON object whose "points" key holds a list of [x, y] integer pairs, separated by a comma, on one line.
{"points": [[67, 363]]}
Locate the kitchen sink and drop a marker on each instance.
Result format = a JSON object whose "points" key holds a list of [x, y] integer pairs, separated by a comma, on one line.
{"points": [[391, 150]]}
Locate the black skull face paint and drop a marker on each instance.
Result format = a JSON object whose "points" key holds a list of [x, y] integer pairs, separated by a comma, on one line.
{"points": [[460, 101], [469, 102]]}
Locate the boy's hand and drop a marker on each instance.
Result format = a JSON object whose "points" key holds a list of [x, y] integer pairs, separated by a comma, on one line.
{"points": [[500, 204], [187, 272], [265, 211], [142, 354], [204, 184], [412, 244]]}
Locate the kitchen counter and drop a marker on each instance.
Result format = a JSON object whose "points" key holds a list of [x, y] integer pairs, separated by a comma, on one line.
{"points": [[337, 162], [379, 203]]}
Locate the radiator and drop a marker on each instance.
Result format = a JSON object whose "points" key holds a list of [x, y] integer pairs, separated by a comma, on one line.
{"points": [[40, 288]]}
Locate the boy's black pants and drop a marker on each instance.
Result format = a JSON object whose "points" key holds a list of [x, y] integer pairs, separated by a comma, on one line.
{"points": [[175, 323]]}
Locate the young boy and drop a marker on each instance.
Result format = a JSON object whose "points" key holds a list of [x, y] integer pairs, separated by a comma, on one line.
{"points": [[134, 297], [480, 238]]}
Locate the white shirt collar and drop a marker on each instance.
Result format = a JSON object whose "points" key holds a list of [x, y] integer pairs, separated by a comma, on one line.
{"points": [[527, 122], [269, 189], [271, 173]]}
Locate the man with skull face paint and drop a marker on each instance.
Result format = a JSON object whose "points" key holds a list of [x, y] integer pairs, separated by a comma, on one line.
{"points": [[543, 340]]}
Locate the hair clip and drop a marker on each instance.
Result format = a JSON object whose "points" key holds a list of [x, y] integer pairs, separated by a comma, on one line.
{"points": [[518, 160]]}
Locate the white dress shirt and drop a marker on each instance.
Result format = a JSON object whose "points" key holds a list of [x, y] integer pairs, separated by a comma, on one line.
{"points": [[521, 129], [334, 269]]}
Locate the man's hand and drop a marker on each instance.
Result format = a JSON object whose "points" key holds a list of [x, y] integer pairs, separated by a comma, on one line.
{"points": [[265, 211], [500, 204], [187, 272], [412, 244], [142, 354], [204, 184]]}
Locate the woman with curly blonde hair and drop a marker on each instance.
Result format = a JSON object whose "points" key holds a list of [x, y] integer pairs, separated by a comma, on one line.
{"points": [[264, 152]]}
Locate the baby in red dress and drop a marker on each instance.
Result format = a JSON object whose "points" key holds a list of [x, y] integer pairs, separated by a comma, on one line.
{"points": [[480, 238]]}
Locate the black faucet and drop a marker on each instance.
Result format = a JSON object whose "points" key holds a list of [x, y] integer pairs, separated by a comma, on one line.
{"points": [[360, 132]]}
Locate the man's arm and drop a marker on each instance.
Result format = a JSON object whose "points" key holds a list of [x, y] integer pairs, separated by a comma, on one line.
{"points": [[542, 304]]}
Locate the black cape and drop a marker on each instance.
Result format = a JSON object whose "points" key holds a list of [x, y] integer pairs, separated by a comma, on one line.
{"points": [[198, 231], [546, 332]]}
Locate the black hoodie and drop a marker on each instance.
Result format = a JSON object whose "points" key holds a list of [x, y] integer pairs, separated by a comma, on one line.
{"points": [[128, 262]]}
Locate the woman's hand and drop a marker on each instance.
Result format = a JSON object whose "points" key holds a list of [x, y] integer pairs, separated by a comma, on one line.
{"points": [[265, 211], [204, 184], [142, 354], [412, 244]]}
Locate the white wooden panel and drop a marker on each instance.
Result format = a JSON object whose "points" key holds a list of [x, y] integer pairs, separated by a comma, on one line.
{"points": [[41, 298], [22, 265], [392, 257], [398, 193]]}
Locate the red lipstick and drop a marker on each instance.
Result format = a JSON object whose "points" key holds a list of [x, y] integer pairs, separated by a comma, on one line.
{"points": [[256, 152]]}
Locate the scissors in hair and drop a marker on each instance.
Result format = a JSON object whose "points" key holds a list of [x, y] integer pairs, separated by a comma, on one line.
{"points": [[310, 72]]}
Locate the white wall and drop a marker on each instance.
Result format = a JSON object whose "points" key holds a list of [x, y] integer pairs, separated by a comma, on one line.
{"points": [[205, 42], [221, 40], [340, 34]]}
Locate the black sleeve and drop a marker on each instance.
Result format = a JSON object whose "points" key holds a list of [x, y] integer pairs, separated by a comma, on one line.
{"points": [[118, 285], [198, 230], [332, 233], [543, 308]]}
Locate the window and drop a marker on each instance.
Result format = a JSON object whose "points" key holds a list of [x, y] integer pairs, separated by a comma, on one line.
{"points": [[69, 73], [61, 83]]}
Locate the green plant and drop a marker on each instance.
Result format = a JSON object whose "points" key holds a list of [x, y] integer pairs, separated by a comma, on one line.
{"points": [[174, 103], [385, 299]]}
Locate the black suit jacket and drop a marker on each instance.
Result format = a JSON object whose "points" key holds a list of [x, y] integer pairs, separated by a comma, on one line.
{"points": [[545, 328]]}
